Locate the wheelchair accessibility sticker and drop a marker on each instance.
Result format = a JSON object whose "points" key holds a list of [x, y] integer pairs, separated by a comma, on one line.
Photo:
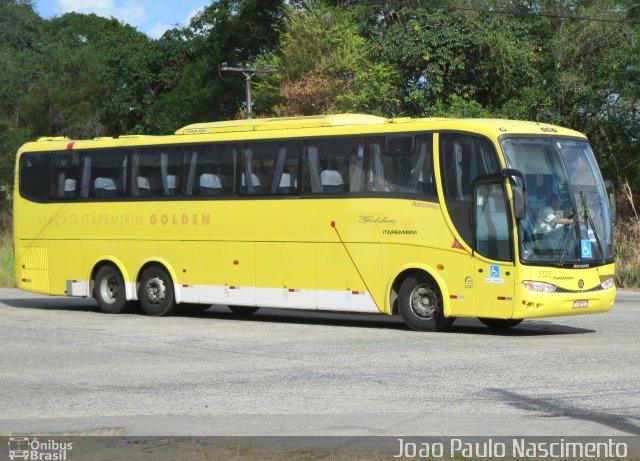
{"points": [[494, 275], [585, 246]]}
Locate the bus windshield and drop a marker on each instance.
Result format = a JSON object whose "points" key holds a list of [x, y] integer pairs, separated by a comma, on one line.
{"points": [[568, 218]]}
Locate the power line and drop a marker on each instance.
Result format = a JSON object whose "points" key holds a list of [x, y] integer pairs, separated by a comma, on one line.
{"points": [[245, 69]]}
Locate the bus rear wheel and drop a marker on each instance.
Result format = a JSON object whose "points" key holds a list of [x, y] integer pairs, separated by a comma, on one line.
{"points": [[500, 324], [420, 304], [156, 292], [109, 291], [243, 310]]}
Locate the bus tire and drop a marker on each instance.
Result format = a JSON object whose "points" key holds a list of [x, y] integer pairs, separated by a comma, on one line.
{"points": [[109, 291], [243, 310], [420, 304], [156, 292], [500, 324]]}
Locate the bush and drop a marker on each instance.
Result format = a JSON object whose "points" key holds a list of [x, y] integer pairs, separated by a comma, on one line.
{"points": [[7, 276], [626, 238]]}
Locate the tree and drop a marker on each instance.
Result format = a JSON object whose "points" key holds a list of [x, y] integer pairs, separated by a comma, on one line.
{"points": [[468, 60], [20, 29], [230, 31], [595, 81], [81, 77], [574, 63], [325, 65]]}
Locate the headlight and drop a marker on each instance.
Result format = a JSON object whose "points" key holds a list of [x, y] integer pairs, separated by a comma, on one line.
{"points": [[610, 282], [539, 286]]}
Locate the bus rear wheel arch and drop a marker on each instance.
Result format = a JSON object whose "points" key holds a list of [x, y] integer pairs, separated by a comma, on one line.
{"points": [[109, 290], [155, 291], [420, 303]]}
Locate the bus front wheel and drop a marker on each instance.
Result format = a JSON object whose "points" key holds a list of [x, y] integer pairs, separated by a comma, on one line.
{"points": [[500, 324], [156, 292], [420, 304], [109, 291]]}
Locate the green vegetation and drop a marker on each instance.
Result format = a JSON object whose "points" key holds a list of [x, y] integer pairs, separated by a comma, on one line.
{"points": [[7, 275], [627, 235], [7, 278], [574, 63]]}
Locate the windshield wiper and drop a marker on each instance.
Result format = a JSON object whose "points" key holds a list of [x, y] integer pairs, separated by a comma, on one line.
{"points": [[589, 221], [564, 247], [576, 228]]}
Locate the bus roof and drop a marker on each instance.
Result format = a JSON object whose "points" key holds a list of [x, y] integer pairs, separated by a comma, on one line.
{"points": [[284, 123], [336, 120], [319, 125]]}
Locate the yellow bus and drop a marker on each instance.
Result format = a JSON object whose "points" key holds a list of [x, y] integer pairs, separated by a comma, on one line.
{"points": [[429, 219]]}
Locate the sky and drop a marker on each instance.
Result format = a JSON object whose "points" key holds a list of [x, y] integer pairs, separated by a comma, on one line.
{"points": [[152, 17]]}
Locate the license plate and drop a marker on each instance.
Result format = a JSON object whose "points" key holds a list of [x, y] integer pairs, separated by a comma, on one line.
{"points": [[580, 303]]}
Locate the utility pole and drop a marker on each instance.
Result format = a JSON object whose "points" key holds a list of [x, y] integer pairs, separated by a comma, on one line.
{"points": [[245, 69]]}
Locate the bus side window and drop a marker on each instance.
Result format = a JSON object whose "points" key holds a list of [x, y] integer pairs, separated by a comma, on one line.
{"points": [[65, 176], [210, 170], [273, 167], [492, 222], [154, 172], [462, 159], [104, 174], [334, 166], [34, 176], [401, 164]]}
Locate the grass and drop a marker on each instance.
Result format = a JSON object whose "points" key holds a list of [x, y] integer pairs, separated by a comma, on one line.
{"points": [[627, 246], [7, 278]]}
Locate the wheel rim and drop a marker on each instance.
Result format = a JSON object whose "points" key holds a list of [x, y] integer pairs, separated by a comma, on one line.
{"points": [[110, 289], [155, 290], [424, 302]]}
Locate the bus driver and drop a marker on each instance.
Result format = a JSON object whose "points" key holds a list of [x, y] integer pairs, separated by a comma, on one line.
{"points": [[550, 217]]}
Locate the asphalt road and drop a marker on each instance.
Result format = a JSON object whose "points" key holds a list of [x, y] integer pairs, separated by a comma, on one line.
{"points": [[67, 368]]}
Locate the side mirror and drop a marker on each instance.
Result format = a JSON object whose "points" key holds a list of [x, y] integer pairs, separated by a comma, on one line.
{"points": [[612, 198], [519, 209], [519, 197]]}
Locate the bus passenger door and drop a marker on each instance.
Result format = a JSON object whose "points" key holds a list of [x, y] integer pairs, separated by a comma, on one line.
{"points": [[494, 266]]}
